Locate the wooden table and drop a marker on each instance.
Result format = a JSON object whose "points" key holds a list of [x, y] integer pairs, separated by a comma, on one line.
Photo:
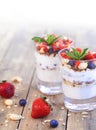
{"points": [[17, 59]]}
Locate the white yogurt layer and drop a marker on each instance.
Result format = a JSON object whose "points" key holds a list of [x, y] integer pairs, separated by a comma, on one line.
{"points": [[82, 76], [79, 93], [48, 68]]}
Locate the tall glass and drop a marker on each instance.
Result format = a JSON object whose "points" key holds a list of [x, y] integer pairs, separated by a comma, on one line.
{"points": [[47, 62], [78, 83]]}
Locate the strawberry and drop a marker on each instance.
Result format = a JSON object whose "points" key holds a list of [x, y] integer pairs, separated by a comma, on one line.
{"points": [[94, 55], [68, 41], [55, 46], [43, 45], [77, 63], [79, 50], [89, 56], [64, 55], [6, 89], [40, 108]]}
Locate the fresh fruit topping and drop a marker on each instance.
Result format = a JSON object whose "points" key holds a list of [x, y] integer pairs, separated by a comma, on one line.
{"points": [[64, 55], [51, 50], [71, 62], [77, 63], [82, 66], [47, 43], [79, 50], [40, 108], [76, 55], [89, 56], [22, 102], [6, 89], [54, 123], [55, 46], [91, 65], [49, 40]]}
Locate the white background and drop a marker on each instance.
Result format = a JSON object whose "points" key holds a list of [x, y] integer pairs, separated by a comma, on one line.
{"points": [[48, 12]]}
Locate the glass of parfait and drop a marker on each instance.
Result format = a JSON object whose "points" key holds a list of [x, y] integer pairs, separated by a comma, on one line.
{"points": [[47, 62], [78, 70]]}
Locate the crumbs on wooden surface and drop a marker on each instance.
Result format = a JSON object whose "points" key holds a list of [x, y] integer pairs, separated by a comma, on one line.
{"points": [[15, 117], [8, 102], [16, 79]]}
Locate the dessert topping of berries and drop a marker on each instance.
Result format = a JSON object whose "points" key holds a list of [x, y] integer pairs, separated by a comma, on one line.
{"points": [[77, 54], [51, 44]]}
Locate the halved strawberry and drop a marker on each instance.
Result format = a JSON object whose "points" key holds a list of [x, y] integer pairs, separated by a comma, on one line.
{"points": [[55, 46], [6, 89], [89, 56], [40, 108], [68, 41], [42, 45], [63, 54], [79, 50], [76, 64]]}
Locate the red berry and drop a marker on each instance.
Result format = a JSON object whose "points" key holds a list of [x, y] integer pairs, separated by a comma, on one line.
{"points": [[77, 63], [63, 54], [89, 56], [94, 54], [43, 43], [40, 108], [68, 41], [55, 47], [7, 89], [79, 50]]}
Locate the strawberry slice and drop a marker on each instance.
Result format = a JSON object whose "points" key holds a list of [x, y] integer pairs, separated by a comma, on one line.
{"points": [[89, 56], [63, 54], [40, 108], [77, 63], [55, 46], [42, 45], [79, 50], [6, 89], [68, 41]]}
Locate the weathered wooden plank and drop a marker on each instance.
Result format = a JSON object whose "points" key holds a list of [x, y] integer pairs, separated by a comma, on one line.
{"points": [[17, 62], [5, 41], [82, 121], [38, 124]]}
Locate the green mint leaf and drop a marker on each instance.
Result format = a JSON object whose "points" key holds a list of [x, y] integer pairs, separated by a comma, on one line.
{"points": [[50, 39], [38, 39], [75, 55], [71, 55], [84, 53]]}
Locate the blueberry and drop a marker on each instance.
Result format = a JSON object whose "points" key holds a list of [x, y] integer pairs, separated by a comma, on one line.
{"points": [[71, 62], [91, 65], [51, 50], [22, 102], [54, 123]]}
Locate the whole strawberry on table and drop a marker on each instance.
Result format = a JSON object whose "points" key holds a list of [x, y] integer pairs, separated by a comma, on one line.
{"points": [[40, 108], [7, 89]]}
